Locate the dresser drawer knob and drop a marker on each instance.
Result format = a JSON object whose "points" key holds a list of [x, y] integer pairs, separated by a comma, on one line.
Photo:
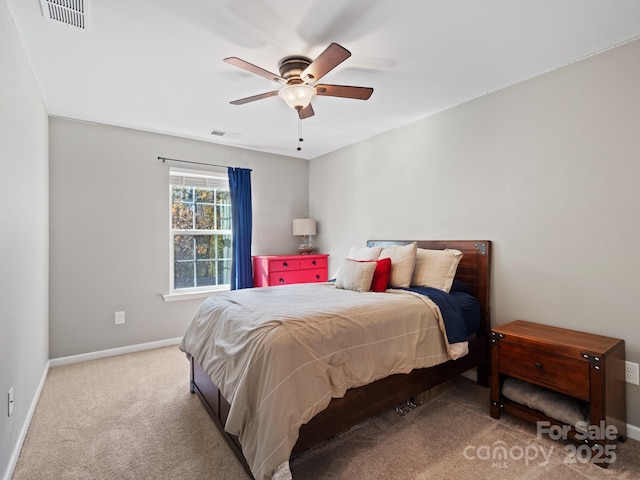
{"points": [[538, 365], [285, 264], [313, 262], [281, 280], [317, 277]]}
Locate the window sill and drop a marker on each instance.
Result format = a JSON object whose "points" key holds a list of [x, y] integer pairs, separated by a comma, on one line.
{"points": [[176, 297]]}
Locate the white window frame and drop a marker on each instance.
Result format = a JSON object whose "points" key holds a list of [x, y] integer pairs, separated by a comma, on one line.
{"points": [[196, 178]]}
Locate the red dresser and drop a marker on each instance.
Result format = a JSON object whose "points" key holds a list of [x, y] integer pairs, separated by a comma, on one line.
{"points": [[286, 269]]}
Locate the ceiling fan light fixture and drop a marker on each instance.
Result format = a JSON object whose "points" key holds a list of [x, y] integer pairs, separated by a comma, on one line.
{"points": [[296, 72], [297, 96]]}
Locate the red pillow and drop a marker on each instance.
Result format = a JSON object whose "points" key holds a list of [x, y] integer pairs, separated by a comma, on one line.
{"points": [[381, 275]]}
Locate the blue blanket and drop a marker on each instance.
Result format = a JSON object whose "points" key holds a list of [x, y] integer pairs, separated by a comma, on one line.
{"points": [[452, 314]]}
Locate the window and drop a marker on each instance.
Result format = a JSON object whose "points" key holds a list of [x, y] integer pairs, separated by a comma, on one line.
{"points": [[200, 230]]}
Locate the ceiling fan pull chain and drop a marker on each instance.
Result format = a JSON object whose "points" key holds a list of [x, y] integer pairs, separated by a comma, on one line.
{"points": [[300, 139]]}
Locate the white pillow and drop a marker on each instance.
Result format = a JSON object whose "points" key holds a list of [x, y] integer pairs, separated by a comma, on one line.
{"points": [[403, 259], [364, 253], [436, 268], [355, 275]]}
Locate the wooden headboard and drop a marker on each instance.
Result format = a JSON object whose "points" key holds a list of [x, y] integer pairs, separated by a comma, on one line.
{"points": [[473, 270]]}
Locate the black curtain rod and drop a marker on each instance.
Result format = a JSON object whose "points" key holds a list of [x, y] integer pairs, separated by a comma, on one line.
{"points": [[195, 163]]}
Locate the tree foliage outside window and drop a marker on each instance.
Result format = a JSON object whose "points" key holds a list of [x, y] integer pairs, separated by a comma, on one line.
{"points": [[201, 232]]}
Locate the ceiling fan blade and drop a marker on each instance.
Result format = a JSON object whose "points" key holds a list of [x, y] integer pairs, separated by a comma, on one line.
{"points": [[306, 112], [242, 101], [250, 67], [359, 93], [333, 56]]}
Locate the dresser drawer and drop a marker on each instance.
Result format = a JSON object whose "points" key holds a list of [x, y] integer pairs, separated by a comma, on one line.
{"points": [[563, 374], [297, 276], [313, 262], [283, 265]]}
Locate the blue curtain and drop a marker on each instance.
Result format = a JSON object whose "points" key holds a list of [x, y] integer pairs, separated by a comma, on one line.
{"points": [[241, 224]]}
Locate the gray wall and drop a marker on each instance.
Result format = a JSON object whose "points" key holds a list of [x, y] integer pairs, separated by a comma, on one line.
{"points": [[110, 229], [24, 239], [548, 169]]}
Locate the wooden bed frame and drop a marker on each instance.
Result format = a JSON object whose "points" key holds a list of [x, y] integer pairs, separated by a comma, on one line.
{"points": [[359, 404]]}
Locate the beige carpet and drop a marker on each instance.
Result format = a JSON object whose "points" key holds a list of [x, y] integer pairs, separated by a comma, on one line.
{"points": [[132, 417]]}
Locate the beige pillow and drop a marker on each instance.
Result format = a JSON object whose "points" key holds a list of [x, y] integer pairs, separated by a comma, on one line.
{"points": [[364, 253], [403, 259], [436, 268], [355, 275]]}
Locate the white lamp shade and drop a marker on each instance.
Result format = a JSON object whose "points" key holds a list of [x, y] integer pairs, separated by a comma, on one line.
{"points": [[297, 96], [304, 226]]}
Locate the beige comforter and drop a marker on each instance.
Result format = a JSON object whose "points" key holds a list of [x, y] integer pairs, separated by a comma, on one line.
{"points": [[279, 354]]}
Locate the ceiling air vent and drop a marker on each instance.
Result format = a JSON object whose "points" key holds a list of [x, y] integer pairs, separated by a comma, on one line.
{"points": [[69, 12], [222, 133]]}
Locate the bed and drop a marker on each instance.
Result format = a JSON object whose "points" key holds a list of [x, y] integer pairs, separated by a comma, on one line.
{"points": [[343, 400]]}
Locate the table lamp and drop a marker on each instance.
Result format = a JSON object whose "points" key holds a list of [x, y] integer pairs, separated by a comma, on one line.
{"points": [[304, 227]]}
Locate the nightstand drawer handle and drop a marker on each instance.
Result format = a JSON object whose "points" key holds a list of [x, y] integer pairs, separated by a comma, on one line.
{"points": [[538, 365], [285, 264], [313, 262], [281, 280]]}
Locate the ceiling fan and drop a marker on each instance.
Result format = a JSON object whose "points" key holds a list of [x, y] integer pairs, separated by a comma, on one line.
{"points": [[300, 75]]}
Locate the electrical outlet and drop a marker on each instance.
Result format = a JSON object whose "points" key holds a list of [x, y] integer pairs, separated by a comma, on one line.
{"points": [[10, 400], [631, 373], [119, 318]]}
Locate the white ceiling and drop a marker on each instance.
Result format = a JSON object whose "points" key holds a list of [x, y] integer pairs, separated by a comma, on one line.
{"points": [[156, 65]]}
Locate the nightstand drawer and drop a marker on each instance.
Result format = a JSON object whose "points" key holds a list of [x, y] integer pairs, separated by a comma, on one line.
{"points": [[563, 374]]}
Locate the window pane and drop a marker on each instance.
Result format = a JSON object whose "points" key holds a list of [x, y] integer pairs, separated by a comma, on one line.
{"points": [[223, 217], [182, 215], [223, 196], [205, 247], [204, 195], [181, 194], [224, 272], [205, 217], [224, 246], [210, 247], [183, 247], [183, 275], [206, 273]]}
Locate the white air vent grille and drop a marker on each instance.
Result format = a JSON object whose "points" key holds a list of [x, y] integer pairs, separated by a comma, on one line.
{"points": [[69, 12], [223, 133]]}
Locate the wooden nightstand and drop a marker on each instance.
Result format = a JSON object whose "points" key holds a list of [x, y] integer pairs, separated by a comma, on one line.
{"points": [[271, 270], [581, 365]]}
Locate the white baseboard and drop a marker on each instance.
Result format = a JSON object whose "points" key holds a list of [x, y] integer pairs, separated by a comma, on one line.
{"points": [[25, 427], [633, 432], [83, 357]]}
